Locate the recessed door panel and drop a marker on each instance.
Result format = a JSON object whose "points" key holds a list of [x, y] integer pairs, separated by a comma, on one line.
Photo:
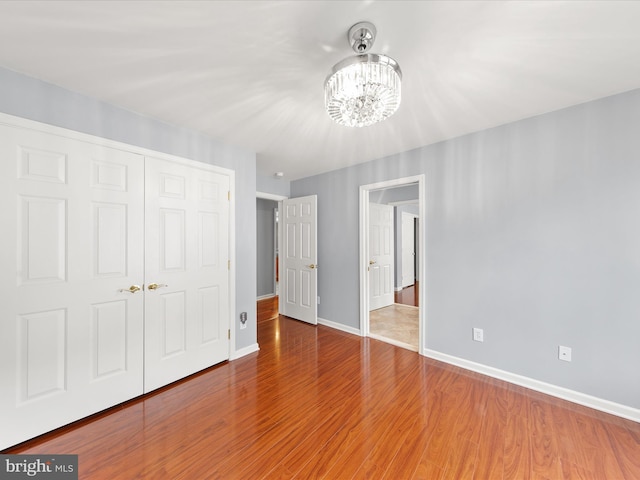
{"points": [[172, 186], [209, 191], [210, 314], [41, 165], [43, 240], [42, 368], [292, 286], [109, 338], [110, 240], [110, 176], [209, 246], [174, 323], [172, 239], [291, 239]]}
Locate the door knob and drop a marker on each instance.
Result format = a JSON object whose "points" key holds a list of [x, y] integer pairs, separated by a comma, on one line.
{"points": [[371, 262], [312, 266], [155, 286], [131, 289]]}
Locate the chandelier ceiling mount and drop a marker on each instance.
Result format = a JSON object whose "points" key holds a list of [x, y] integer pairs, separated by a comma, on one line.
{"points": [[363, 89]]}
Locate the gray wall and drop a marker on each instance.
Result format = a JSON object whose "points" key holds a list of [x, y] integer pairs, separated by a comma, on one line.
{"points": [[30, 98], [533, 234], [266, 246]]}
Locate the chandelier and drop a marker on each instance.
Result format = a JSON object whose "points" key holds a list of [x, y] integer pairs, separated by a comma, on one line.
{"points": [[363, 89]]}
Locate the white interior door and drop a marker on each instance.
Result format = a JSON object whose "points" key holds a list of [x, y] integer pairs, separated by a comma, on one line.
{"points": [[71, 245], [408, 253], [186, 270], [300, 261], [381, 253]]}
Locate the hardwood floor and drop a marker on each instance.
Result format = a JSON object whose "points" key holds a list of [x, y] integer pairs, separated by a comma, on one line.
{"points": [[267, 309], [408, 295], [315, 402]]}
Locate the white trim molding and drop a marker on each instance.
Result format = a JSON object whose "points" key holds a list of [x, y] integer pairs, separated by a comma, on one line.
{"points": [[363, 223], [243, 352], [339, 326], [391, 341], [264, 297], [583, 399], [270, 196]]}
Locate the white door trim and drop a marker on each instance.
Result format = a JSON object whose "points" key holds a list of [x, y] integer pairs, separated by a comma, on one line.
{"points": [[271, 196], [279, 199], [364, 253]]}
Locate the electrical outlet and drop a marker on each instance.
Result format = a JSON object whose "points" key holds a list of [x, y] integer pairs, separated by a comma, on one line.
{"points": [[478, 335], [243, 320], [564, 353]]}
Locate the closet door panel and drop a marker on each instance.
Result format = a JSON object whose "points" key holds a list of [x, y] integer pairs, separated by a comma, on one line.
{"points": [[71, 333], [186, 270]]}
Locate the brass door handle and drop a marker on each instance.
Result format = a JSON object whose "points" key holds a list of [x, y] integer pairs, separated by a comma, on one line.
{"points": [[312, 266], [155, 286], [131, 289], [371, 262]]}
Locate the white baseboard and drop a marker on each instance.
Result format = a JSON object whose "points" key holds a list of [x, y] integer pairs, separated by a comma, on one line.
{"points": [[393, 342], [264, 297], [244, 351], [339, 326], [596, 403]]}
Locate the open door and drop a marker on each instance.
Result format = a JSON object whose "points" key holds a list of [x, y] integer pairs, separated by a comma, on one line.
{"points": [[381, 251], [299, 276]]}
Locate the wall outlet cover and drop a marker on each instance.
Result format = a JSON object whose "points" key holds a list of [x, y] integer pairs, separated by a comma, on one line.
{"points": [[478, 335], [564, 353]]}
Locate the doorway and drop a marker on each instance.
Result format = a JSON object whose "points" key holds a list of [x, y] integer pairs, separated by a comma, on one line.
{"points": [[295, 265], [392, 323], [268, 232]]}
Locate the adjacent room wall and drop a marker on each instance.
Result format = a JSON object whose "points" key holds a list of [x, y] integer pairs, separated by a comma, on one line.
{"points": [[30, 98], [533, 234], [266, 246]]}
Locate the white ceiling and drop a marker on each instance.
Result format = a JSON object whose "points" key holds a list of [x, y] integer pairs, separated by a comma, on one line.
{"points": [[251, 73]]}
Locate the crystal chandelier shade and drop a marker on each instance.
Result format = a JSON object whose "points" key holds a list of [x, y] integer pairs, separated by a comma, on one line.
{"points": [[366, 88]]}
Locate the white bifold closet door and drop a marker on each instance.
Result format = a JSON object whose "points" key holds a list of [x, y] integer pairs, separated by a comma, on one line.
{"points": [[73, 237], [187, 287], [74, 338]]}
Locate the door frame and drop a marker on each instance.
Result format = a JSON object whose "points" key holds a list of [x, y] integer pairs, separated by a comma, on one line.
{"points": [[279, 199], [364, 253]]}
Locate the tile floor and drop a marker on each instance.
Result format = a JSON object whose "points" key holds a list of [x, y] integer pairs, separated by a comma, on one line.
{"points": [[398, 323]]}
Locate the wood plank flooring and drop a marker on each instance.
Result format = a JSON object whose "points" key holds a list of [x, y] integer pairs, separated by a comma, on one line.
{"points": [[267, 309], [315, 402], [408, 295]]}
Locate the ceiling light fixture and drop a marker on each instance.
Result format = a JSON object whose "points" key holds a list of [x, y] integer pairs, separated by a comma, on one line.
{"points": [[363, 89]]}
